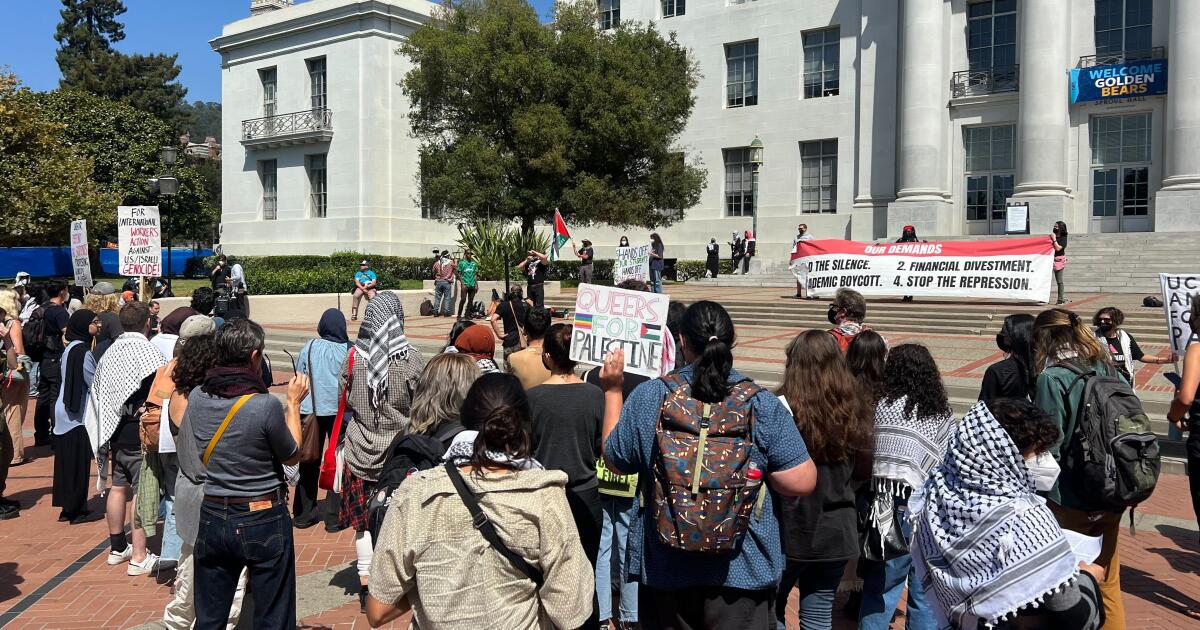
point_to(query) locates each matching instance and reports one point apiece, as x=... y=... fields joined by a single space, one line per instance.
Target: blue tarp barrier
x=45 y=262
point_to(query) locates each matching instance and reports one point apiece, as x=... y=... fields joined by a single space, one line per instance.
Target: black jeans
x=467 y=299
x=537 y=293
x=708 y=607
x=1193 y=460
x=587 y=513
x=232 y=537
x=49 y=383
x=304 y=504
x=6 y=456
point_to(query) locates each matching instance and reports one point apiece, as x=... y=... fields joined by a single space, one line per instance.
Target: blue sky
x=27 y=43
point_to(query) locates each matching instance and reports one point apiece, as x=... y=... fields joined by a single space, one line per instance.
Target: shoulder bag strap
x=517 y=320
x=312 y=377
x=224 y=425
x=485 y=527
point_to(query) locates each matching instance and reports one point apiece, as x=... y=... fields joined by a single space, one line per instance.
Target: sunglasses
x=289 y=354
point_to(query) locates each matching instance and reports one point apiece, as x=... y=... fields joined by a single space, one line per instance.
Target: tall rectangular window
x=316 y=83
x=674 y=8
x=267 y=77
x=739 y=183
x=318 y=190
x=1120 y=139
x=741 y=74
x=992 y=34
x=1123 y=25
x=610 y=14
x=267 y=173
x=821 y=62
x=818 y=176
x=989 y=168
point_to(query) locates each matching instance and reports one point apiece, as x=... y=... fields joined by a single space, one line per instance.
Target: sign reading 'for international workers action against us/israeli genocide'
x=139 y=238
x=1011 y=269
x=632 y=263
x=1178 y=291
x=607 y=318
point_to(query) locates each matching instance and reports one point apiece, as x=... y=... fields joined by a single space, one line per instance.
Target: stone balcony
x=305 y=127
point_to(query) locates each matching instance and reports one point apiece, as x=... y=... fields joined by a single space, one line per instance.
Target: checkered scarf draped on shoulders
x=380 y=341
x=984 y=544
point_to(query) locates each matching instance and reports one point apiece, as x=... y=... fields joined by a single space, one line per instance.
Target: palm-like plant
x=496 y=244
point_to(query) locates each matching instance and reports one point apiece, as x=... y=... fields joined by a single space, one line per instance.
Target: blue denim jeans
x=656 y=280
x=443 y=300
x=618 y=512
x=172 y=544
x=818 y=583
x=884 y=581
x=232 y=537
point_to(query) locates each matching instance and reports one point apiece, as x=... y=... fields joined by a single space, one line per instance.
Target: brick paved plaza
x=53 y=575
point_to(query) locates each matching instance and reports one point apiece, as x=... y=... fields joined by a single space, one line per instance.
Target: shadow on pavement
x=1140 y=584
x=9 y=579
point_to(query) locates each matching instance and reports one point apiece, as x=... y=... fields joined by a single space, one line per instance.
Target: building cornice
x=301 y=19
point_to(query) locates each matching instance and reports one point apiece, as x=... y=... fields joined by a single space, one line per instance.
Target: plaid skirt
x=356 y=499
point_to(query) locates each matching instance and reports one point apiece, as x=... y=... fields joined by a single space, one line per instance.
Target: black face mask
x=1105 y=328
x=1002 y=342
x=831 y=315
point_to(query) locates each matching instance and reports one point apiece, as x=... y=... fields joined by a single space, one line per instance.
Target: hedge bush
x=276 y=275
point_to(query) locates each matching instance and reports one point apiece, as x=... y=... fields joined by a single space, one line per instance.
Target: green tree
x=89 y=63
x=205 y=120
x=45 y=183
x=517 y=119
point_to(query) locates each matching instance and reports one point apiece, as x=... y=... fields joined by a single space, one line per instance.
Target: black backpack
x=1113 y=454
x=33 y=334
x=406 y=455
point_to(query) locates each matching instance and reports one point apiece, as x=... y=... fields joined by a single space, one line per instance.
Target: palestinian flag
x=561 y=235
x=651 y=332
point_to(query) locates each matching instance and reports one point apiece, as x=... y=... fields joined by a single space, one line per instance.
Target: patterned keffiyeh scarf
x=120 y=373
x=380 y=341
x=462 y=448
x=907 y=447
x=984 y=544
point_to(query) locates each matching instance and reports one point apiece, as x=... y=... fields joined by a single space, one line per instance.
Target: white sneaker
x=115 y=558
x=144 y=567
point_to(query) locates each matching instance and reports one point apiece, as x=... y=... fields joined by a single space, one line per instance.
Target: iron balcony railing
x=1124 y=56
x=984 y=81
x=284 y=124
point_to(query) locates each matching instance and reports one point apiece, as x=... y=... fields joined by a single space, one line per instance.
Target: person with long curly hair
x=1063 y=345
x=913 y=422
x=820 y=531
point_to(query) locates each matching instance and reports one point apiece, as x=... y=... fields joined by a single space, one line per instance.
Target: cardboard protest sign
x=632 y=263
x=1013 y=269
x=607 y=318
x=1178 y=291
x=139 y=240
x=79 y=254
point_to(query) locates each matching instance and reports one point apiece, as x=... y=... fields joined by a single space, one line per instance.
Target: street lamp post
x=168 y=186
x=756 y=161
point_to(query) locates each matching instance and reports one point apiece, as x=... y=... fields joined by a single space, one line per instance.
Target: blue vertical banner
x=1119 y=81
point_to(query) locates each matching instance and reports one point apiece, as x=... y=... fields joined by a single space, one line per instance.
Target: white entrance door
x=1121 y=199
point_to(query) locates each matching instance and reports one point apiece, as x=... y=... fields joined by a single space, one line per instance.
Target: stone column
x=1044 y=118
x=875 y=119
x=1177 y=204
x=921 y=200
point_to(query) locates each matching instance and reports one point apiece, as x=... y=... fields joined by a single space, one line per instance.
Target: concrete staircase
x=1097 y=263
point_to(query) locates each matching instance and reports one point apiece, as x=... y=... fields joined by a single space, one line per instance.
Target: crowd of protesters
x=513 y=489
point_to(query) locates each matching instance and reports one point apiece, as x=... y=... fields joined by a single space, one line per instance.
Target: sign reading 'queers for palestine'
x=139 y=240
x=608 y=318
x=1013 y=269
x=1119 y=81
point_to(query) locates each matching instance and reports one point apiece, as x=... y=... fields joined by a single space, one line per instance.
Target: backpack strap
x=488 y=530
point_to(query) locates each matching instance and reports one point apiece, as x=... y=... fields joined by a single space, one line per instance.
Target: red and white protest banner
x=1011 y=269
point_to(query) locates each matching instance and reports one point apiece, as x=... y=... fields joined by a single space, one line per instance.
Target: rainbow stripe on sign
x=583 y=321
x=651 y=332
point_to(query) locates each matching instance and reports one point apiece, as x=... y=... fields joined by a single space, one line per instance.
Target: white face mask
x=1044 y=470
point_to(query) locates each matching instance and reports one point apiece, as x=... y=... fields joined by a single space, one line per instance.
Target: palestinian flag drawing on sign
x=651 y=332
x=560 y=237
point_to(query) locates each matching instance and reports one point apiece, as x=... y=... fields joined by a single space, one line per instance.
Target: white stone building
x=873 y=114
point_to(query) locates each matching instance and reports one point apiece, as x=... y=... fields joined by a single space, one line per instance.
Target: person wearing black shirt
x=586 y=257
x=1059 y=239
x=534 y=267
x=1120 y=344
x=510 y=313
x=1013 y=377
x=49 y=370
x=220 y=273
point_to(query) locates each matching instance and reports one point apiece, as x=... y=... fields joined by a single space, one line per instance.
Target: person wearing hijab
x=478 y=342
x=712 y=264
x=987 y=548
x=321 y=359
x=168 y=331
x=386 y=371
x=72 y=455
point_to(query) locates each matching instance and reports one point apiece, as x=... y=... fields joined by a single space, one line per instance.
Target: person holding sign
x=801 y=235
x=657 y=250
x=534 y=267
x=1186 y=404
x=1059 y=238
x=586 y=258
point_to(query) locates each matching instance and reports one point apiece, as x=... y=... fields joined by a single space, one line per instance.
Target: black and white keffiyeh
x=120 y=373
x=907 y=447
x=462 y=448
x=381 y=340
x=984 y=544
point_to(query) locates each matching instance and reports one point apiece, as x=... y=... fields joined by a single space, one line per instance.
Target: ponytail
x=709 y=332
x=1058 y=330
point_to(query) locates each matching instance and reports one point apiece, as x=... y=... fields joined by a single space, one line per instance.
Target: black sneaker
x=7 y=501
x=9 y=511
x=362 y=600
